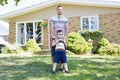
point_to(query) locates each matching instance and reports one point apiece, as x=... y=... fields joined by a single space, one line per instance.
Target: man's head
x=59 y=10
x=59 y=34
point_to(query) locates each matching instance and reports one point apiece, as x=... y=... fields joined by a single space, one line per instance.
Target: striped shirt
x=59 y=23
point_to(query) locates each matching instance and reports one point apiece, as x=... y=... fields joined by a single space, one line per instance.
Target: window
x=89 y=23
x=29 y=30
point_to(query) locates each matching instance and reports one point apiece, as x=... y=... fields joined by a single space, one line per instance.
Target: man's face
x=59 y=10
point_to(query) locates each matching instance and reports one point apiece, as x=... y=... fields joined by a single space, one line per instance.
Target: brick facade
x=110 y=23
x=12 y=32
x=74 y=24
x=45 y=38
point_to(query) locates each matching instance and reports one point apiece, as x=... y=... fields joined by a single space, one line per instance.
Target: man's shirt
x=59 y=23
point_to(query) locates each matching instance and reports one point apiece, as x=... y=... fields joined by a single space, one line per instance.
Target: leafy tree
x=3 y=2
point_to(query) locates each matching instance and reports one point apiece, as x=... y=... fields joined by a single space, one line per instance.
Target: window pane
x=29 y=30
x=38 y=32
x=20 y=33
x=94 y=23
x=85 y=23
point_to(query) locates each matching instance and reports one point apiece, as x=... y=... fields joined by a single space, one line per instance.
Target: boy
x=60 y=52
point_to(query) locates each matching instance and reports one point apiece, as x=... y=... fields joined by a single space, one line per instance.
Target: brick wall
x=110 y=23
x=45 y=38
x=74 y=24
x=12 y=32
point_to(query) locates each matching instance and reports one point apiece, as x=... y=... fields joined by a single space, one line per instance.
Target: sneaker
x=53 y=72
x=67 y=72
x=62 y=70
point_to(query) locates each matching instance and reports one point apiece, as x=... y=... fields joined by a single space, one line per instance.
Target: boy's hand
x=57 y=40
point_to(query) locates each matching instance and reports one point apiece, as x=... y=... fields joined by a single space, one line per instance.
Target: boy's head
x=59 y=34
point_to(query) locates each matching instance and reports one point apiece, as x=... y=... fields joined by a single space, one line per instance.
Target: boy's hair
x=59 y=31
x=59 y=6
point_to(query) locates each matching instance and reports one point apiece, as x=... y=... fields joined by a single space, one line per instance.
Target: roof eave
x=90 y=3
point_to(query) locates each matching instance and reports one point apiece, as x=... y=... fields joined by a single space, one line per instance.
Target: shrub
x=32 y=46
x=103 y=42
x=111 y=49
x=77 y=44
x=12 y=48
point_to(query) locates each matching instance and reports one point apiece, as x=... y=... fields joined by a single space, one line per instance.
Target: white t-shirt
x=60 y=45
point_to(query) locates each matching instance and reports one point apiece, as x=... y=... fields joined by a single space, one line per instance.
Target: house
x=82 y=14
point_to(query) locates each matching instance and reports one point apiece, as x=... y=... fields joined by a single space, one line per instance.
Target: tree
x=3 y=2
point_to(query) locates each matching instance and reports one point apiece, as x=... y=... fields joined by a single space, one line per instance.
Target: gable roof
x=49 y=3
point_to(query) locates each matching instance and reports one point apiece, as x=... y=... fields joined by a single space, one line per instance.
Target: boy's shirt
x=59 y=45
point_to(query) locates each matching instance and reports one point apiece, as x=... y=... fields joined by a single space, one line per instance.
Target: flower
x=44 y=23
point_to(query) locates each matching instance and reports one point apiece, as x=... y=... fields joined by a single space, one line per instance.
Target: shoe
x=67 y=72
x=62 y=70
x=53 y=72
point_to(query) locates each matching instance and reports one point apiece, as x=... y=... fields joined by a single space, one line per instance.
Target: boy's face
x=59 y=35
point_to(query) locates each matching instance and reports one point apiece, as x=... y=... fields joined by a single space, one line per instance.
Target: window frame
x=89 y=20
x=25 y=22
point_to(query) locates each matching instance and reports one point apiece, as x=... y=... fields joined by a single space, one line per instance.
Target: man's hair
x=59 y=6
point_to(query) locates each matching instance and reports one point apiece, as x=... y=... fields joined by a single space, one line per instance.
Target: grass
x=38 y=67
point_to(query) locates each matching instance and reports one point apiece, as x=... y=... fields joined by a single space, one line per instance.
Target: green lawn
x=38 y=67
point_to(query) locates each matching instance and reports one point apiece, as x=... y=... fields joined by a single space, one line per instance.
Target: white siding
x=68 y=11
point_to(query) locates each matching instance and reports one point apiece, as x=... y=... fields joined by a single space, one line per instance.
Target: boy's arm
x=55 y=42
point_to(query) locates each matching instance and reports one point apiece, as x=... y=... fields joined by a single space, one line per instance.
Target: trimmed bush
x=103 y=42
x=32 y=46
x=111 y=49
x=77 y=44
x=12 y=48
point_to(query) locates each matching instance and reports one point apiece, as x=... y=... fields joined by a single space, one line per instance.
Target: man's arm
x=66 y=32
x=52 y=33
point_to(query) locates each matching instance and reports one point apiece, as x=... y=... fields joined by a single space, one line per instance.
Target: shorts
x=60 y=55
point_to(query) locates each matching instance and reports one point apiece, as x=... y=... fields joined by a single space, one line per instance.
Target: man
x=58 y=22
